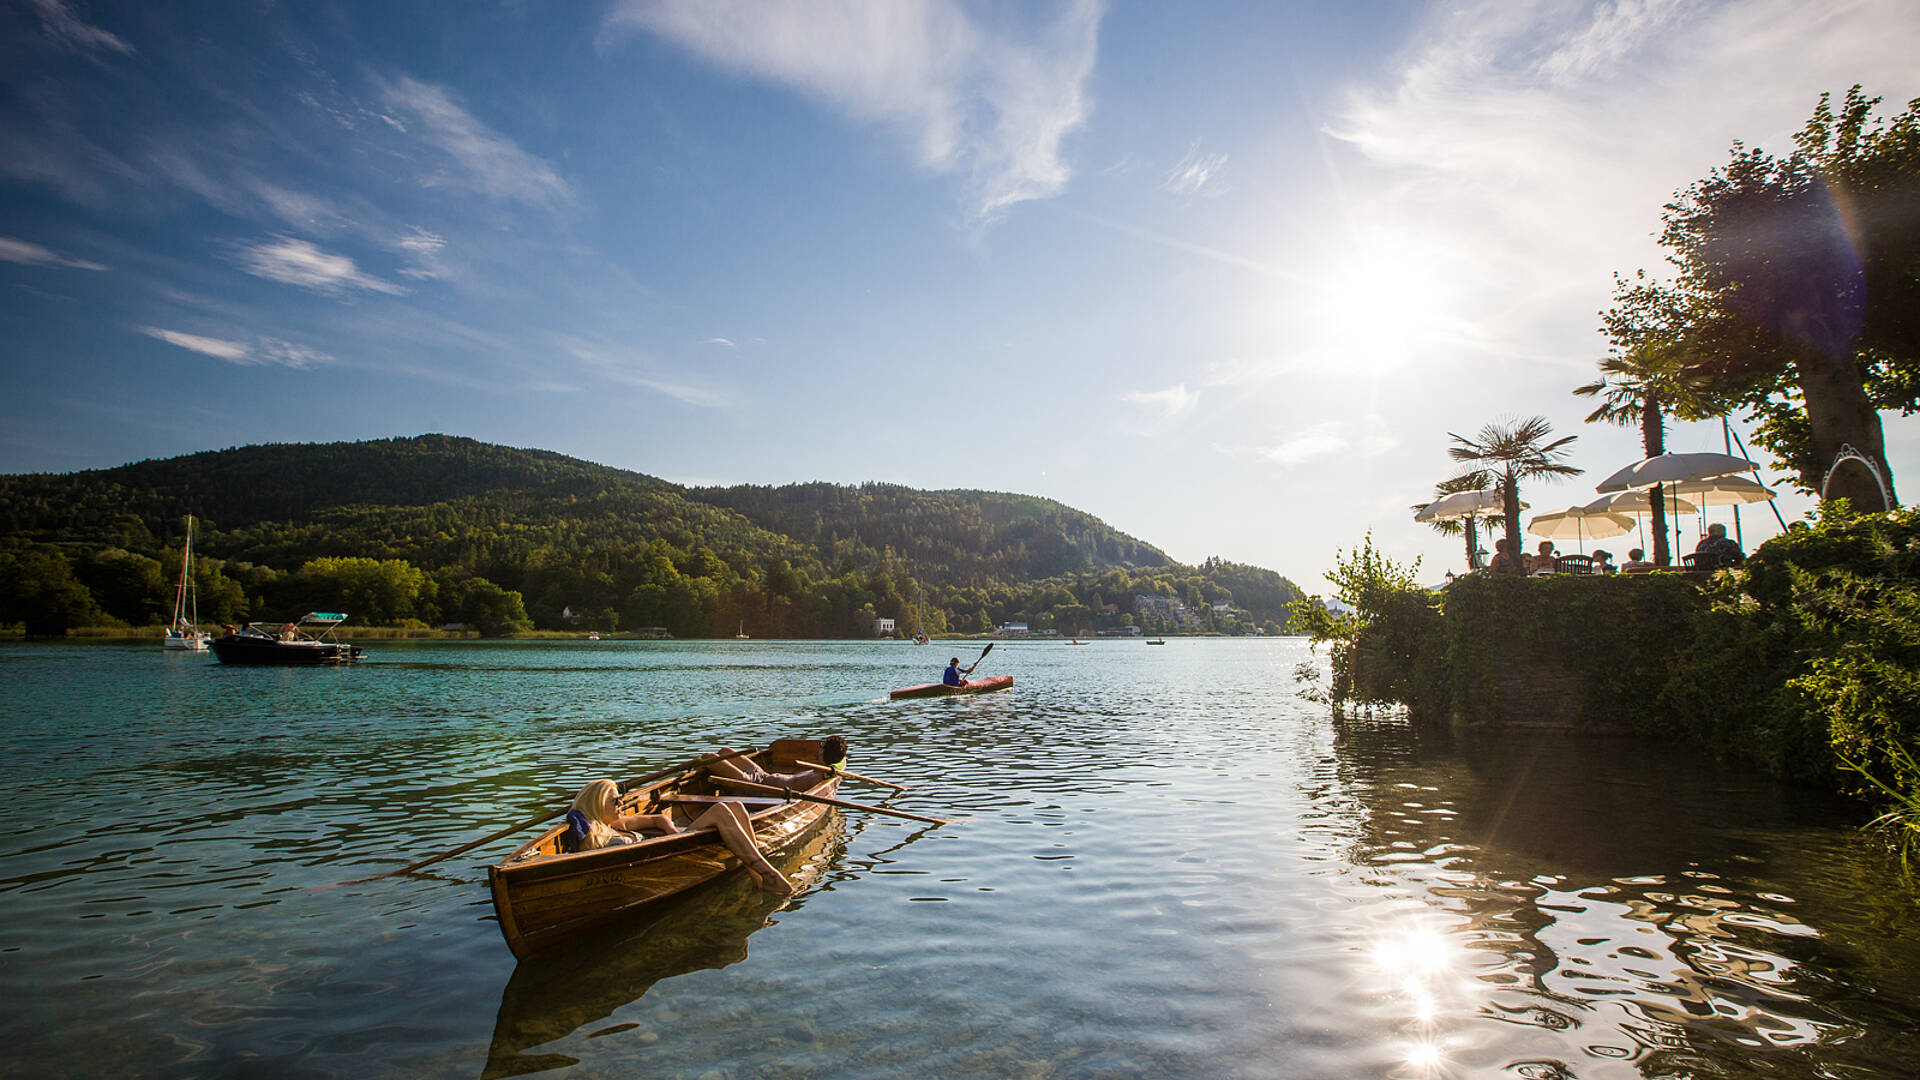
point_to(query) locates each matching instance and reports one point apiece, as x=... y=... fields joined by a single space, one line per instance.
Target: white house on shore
x=883 y=627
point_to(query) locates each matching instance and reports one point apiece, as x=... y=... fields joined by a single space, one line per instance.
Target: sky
x=1224 y=275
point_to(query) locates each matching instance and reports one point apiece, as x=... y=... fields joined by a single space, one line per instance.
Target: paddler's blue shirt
x=952 y=677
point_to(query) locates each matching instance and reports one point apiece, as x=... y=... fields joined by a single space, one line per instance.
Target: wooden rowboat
x=974 y=686
x=543 y=894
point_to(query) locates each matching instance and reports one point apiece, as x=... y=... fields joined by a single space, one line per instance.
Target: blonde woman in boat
x=598 y=803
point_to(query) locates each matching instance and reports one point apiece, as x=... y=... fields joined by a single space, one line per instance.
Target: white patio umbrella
x=1673 y=468
x=1461 y=504
x=1734 y=491
x=1723 y=491
x=1637 y=503
x=1576 y=523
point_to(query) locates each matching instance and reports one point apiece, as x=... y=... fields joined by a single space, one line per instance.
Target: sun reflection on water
x=1426 y=974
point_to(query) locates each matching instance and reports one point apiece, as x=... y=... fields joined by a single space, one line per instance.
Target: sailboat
x=741 y=635
x=185 y=633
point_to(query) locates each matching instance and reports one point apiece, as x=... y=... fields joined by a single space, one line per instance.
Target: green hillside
x=435 y=529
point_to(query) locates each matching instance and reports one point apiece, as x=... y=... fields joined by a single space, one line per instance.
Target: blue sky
x=1225 y=275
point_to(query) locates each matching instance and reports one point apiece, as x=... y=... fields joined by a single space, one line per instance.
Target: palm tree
x=1637 y=387
x=1502 y=456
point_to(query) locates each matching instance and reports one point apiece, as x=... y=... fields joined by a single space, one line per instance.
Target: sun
x=1379 y=308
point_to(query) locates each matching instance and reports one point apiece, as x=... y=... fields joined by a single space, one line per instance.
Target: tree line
x=506 y=540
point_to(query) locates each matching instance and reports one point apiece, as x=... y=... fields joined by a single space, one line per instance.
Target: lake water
x=1172 y=867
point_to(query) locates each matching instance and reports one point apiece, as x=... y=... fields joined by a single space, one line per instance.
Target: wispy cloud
x=61 y=24
x=422 y=251
x=983 y=100
x=723 y=342
x=30 y=254
x=1325 y=439
x=1213 y=254
x=296 y=262
x=1166 y=405
x=629 y=368
x=1195 y=173
x=477 y=157
x=257 y=352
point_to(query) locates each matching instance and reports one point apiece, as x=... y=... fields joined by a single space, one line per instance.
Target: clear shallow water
x=1173 y=868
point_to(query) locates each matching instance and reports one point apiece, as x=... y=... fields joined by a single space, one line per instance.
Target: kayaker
x=596 y=813
x=954 y=676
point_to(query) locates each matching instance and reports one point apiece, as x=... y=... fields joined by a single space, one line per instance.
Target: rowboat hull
x=974 y=686
x=543 y=895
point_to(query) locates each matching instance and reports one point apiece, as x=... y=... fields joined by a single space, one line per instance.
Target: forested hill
x=955 y=532
x=445 y=529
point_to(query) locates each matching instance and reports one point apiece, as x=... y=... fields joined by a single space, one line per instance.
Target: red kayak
x=974 y=686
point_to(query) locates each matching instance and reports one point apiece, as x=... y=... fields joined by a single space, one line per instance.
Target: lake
x=1172 y=867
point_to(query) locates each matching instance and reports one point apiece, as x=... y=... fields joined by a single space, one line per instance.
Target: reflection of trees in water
x=557 y=992
x=1645 y=906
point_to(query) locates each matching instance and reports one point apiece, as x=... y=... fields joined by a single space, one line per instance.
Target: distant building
x=1012 y=629
x=883 y=627
x=1171 y=609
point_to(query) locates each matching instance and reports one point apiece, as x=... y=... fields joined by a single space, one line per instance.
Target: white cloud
x=1195 y=173
x=297 y=262
x=1169 y=404
x=971 y=98
x=482 y=158
x=60 y=23
x=422 y=250
x=721 y=342
x=219 y=349
x=30 y=254
x=259 y=352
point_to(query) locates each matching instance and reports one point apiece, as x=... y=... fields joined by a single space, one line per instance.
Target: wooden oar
x=849 y=775
x=689 y=766
x=827 y=800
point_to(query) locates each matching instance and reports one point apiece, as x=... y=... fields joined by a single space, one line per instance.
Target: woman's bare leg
x=736 y=831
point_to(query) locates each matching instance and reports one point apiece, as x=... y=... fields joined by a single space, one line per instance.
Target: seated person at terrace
x=1602 y=561
x=1543 y=563
x=1636 y=562
x=1716 y=543
x=1502 y=561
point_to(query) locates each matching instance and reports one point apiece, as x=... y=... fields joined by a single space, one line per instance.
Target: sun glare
x=1382 y=309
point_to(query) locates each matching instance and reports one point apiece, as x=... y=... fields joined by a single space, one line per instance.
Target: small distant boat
x=1077 y=641
x=921 y=638
x=593 y=635
x=288 y=644
x=1161 y=641
x=185 y=632
x=741 y=635
x=974 y=686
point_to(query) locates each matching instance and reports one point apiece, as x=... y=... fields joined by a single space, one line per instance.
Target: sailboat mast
x=186 y=575
x=180 y=593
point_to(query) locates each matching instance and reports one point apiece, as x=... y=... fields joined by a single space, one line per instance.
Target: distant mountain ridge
x=571 y=535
